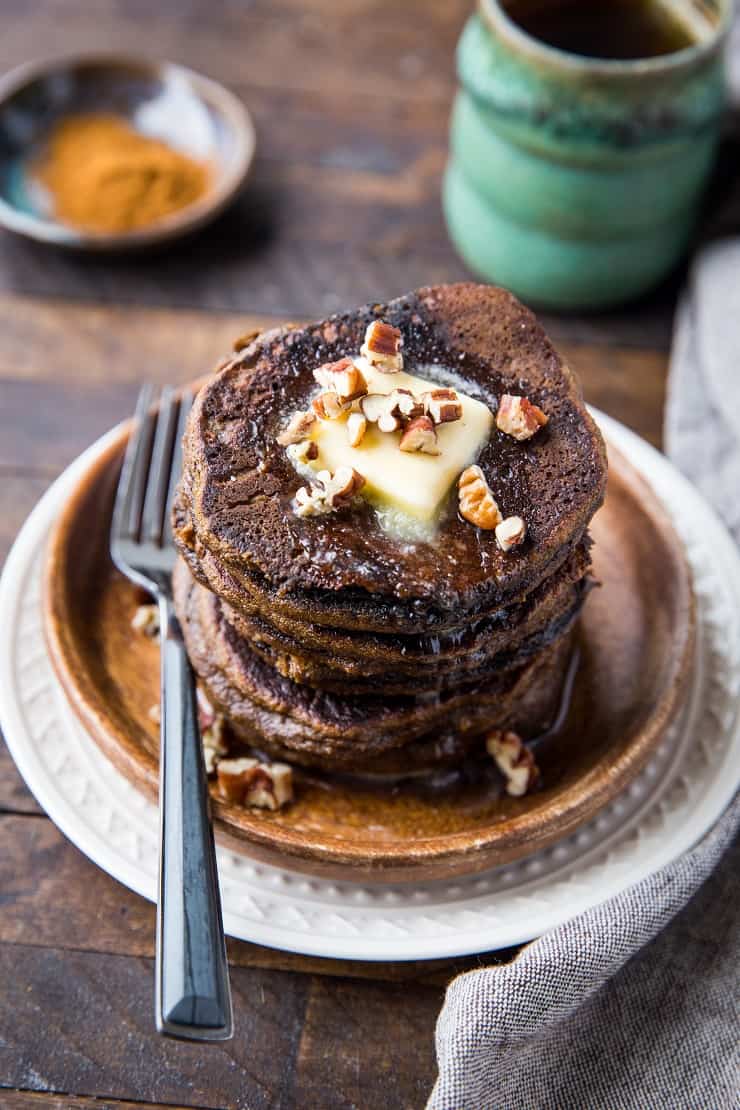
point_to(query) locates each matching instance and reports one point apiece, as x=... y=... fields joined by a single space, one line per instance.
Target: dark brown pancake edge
x=378 y=652
x=348 y=612
x=327 y=671
x=269 y=712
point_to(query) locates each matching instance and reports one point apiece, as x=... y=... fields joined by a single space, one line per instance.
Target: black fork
x=193 y=998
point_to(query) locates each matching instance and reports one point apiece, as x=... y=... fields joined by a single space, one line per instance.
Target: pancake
x=306 y=671
x=334 y=643
x=376 y=653
x=271 y=713
x=240 y=482
x=355 y=612
x=335 y=673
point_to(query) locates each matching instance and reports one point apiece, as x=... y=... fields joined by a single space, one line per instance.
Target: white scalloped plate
x=679 y=795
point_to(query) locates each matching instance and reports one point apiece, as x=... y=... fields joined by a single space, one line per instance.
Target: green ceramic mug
x=575 y=181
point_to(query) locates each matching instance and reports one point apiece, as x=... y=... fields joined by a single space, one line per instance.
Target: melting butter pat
x=413 y=483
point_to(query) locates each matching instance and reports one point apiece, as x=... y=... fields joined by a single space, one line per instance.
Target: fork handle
x=193 y=997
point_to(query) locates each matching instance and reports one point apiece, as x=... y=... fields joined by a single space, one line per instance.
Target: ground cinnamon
x=104 y=176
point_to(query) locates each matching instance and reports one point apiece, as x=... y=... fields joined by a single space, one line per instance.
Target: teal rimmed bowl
x=188 y=111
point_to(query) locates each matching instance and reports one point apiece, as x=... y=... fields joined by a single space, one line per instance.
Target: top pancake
x=240 y=482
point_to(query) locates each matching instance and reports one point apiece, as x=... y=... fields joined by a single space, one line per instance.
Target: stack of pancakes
x=329 y=642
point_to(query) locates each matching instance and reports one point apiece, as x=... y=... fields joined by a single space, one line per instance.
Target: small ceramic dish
x=189 y=112
x=636 y=642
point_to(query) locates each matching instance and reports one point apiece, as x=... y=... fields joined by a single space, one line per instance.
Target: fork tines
x=151 y=467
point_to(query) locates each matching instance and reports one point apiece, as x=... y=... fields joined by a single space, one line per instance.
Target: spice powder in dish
x=106 y=177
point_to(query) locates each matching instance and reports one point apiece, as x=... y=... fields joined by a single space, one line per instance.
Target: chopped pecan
x=298 y=427
x=420 y=435
x=329 y=492
x=404 y=405
x=146 y=620
x=442 y=405
x=328 y=406
x=248 y=782
x=303 y=452
x=378 y=408
x=382 y=347
x=310 y=501
x=510 y=532
x=213 y=746
x=475 y=500
x=391 y=411
x=341 y=486
x=514 y=760
x=356 y=428
x=212 y=727
x=343 y=378
x=518 y=417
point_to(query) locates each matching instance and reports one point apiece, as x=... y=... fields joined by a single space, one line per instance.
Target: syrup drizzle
x=474 y=770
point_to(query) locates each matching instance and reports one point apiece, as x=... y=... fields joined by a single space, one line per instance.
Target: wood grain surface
x=351 y=103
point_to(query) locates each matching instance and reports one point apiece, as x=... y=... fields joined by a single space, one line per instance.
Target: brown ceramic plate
x=635 y=644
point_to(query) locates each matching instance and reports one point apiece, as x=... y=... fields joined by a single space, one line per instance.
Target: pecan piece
x=475 y=500
x=518 y=417
x=298 y=427
x=343 y=378
x=377 y=408
x=328 y=406
x=442 y=405
x=146 y=620
x=420 y=435
x=341 y=486
x=356 y=428
x=248 y=782
x=514 y=760
x=382 y=347
x=404 y=405
x=212 y=727
x=510 y=532
x=390 y=411
x=213 y=746
x=310 y=501
x=303 y=452
x=329 y=492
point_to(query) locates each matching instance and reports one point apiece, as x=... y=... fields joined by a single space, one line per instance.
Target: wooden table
x=351 y=103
